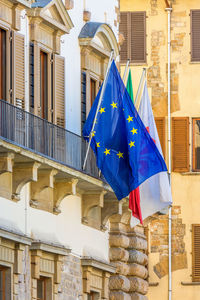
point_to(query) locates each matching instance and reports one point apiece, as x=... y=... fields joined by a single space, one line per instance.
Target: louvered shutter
x=195 y=35
x=18 y=70
x=83 y=98
x=59 y=89
x=138 y=37
x=196 y=252
x=160 y=124
x=123 y=28
x=180 y=144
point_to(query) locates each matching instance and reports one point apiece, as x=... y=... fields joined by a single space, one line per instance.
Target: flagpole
x=99 y=103
x=126 y=71
x=140 y=85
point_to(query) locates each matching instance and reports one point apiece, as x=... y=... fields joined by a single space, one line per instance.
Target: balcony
x=46 y=139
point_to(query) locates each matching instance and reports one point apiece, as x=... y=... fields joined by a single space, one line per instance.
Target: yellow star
x=102 y=110
x=120 y=155
x=107 y=151
x=93 y=133
x=98 y=145
x=132 y=144
x=130 y=119
x=134 y=131
x=114 y=105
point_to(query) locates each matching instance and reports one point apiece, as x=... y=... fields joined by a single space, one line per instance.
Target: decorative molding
x=62 y=189
x=111 y=207
x=15 y=237
x=98 y=264
x=50 y=248
x=96 y=276
x=49 y=23
x=42 y=190
x=6 y=162
x=46 y=265
x=22 y=174
x=92 y=204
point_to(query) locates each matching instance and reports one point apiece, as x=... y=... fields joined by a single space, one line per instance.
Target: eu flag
x=125 y=152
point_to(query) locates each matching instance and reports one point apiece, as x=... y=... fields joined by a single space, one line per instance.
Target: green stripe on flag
x=129 y=86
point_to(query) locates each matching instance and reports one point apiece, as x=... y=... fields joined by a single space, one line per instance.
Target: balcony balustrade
x=30 y=132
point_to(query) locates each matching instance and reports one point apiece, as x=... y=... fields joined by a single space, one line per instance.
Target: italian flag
x=134 y=196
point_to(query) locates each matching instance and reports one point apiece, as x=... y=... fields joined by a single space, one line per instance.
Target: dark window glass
x=44 y=85
x=92 y=90
x=2 y=64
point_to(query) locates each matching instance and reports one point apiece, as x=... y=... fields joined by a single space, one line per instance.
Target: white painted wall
x=65 y=228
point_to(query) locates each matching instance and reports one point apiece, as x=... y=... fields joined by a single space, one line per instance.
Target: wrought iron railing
x=42 y=137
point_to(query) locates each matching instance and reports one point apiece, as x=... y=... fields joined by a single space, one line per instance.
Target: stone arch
x=92 y=31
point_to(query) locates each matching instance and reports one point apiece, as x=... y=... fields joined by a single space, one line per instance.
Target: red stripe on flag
x=134 y=204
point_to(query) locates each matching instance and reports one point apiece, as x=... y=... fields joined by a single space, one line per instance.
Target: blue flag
x=125 y=152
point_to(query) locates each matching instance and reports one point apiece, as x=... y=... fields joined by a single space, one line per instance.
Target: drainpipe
x=169 y=10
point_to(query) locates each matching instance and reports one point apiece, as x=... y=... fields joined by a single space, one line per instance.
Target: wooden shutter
x=138 y=37
x=195 y=35
x=123 y=28
x=196 y=252
x=59 y=89
x=18 y=70
x=83 y=98
x=180 y=144
x=160 y=124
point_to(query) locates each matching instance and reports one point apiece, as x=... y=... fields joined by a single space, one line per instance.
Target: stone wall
x=71 y=280
x=127 y=253
x=159 y=242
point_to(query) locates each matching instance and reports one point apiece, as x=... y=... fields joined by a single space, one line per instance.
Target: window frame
x=3 y=269
x=194 y=278
x=194 y=169
x=44 y=83
x=191 y=37
x=129 y=34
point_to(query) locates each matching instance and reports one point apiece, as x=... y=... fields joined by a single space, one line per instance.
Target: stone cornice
x=39 y=15
x=98 y=264
x=51 y=248
x=16 y=237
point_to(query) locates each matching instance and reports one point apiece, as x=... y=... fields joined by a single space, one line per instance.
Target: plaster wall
x=65 y=228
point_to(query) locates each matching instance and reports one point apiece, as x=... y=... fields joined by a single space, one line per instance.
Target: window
x=195 y=35
x=43 y=85
x=196 y=252
x=196 y=144
x=92 y=90
x=2 y=64
x=133 y=28
x=160 y=124
x=42 y=284
x=2 y=284
x=93 y=296
x=180 y=144
x=47 y=85
x=5 y=283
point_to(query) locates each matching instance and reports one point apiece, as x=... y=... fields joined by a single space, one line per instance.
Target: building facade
x=63 y=234
x=145 y=28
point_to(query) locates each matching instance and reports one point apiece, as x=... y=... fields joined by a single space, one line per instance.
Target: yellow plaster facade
x=185 y=102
